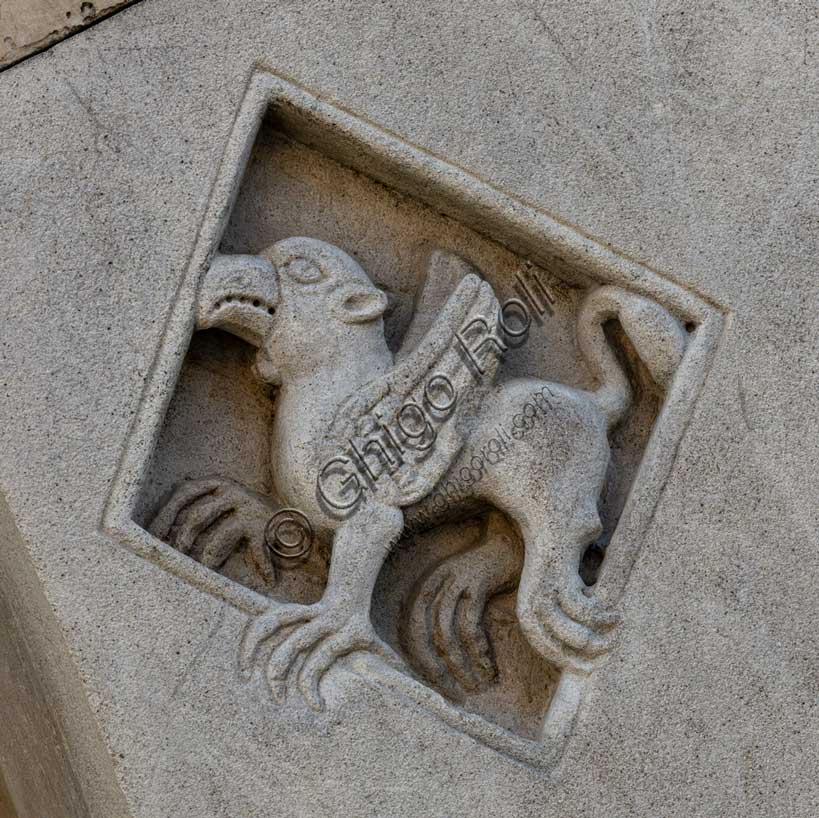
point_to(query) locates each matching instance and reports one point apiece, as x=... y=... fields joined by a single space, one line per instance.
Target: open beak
x=239 y=294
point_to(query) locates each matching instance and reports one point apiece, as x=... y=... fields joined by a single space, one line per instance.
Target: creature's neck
x=305 y=408
x=342 y=376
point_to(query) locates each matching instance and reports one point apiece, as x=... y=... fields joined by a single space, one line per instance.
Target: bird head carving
x=300 y=298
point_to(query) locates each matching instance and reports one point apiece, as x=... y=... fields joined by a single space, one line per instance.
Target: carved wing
x=404 y=428
x=444 y=273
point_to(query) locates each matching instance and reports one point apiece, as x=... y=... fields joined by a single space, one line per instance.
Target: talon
x=310 y=691
x=314 y=668
x=194 y=519
x=550 y=648
x=208 y=519
x=219 y=542
x=588 y=610
x=185 y=494
x=473 y=637
x=327 y=636
x=264 y=627
x=444 y=618
x=285 y=655
x=278 y=690
x=454 y=643
x=571 y=633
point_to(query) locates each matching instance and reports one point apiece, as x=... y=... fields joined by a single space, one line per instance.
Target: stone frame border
x=484 y=207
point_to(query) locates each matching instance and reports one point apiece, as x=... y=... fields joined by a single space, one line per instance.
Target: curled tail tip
x=658 y=337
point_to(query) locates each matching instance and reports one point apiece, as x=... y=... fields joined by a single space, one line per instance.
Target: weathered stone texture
x=29 y=26
x=655 y=165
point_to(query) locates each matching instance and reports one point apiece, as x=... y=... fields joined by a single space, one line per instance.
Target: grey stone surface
x=666 y=150
x=29 y=26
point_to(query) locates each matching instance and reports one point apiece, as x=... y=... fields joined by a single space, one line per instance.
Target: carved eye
x=303 y=270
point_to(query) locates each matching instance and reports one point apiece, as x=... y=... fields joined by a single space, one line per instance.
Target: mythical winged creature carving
x=316 y=319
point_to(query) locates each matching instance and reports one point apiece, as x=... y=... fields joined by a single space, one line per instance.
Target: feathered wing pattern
x=444 y=273
x=407 y=426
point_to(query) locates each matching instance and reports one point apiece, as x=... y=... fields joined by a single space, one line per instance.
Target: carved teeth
x=256 y=303
x=239 y=294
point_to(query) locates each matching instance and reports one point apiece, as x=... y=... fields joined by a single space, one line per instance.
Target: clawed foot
x=445 y=632
x=208 y=519
x=452 y=636
x=569 y=626
x=321 y=633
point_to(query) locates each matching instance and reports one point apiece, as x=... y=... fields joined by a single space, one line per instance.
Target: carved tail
x=435 y=641
x=657 y=337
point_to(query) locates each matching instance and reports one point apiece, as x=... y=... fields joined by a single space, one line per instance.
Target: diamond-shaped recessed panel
x=296 y=165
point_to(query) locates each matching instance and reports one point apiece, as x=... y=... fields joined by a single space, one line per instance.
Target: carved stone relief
x=413 y=427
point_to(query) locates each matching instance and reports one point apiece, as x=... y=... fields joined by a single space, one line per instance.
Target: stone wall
x=411 y=409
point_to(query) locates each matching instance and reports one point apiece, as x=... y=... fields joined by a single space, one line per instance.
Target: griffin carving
x=362 y=437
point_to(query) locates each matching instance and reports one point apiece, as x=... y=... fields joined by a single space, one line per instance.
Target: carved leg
x=340 y=623
x=561 y=618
